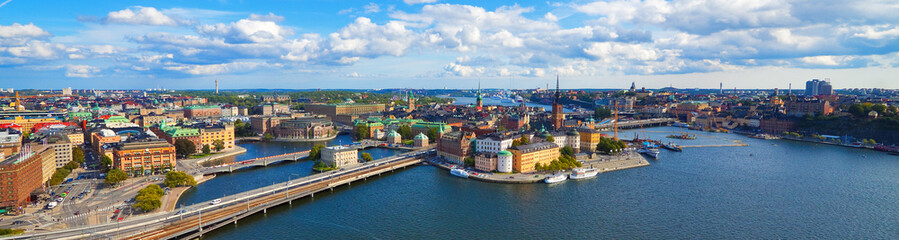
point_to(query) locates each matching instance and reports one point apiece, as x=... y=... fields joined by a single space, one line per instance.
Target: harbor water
x=768 y=189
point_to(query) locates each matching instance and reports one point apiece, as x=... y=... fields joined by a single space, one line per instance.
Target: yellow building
x=209 y=135
x=525 y=157
x=589 y=139
x=28 y=123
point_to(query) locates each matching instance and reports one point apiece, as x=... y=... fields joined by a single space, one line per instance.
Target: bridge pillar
x=229 y=169
x=265 y=162
x=265 y=210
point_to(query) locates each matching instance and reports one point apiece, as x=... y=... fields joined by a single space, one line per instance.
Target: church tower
x=480 y=102
x=557 y=116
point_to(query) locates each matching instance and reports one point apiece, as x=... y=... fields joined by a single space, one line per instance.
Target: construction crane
x=18 y=103
x=616 y=120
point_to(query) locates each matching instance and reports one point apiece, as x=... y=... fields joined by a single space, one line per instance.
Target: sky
x=335 y=44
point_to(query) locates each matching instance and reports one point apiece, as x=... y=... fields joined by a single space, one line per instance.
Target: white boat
x=556 y=178
x=458 y=172
x=583 y=173
x=651 y=152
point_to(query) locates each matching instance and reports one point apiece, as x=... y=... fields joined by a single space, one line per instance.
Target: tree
x=268 y=137
x=219 y=145
x=72 y=165
x=880 y=109
x=315 y=153
x=501 y=128
x=106 y=162
x=601 y=113
x=468 y=162
x=608 y=145
x=405 y=131
x=524 y=140
x=59 y=176
x=149 y=198
x=184 y=147
x=366 y=157
x=567 y=151
x=550 y=138
x=178 y=179
x=362 y=131
x=77 y=155
x=432 y=134
x=115 y=176
x=206 y=149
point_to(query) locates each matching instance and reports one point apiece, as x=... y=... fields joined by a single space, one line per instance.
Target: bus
x=52 y=205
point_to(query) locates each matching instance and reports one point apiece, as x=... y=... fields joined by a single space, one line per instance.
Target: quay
x=603 y=163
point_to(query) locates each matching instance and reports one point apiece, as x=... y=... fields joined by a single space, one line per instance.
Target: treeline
x=565 y=161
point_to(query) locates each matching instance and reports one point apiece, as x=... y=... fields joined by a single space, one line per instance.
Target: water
x=787 y=190
x=248 y=179
x=490 y=101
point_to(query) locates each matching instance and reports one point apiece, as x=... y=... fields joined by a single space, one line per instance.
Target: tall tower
x=557 y=116
x=721 y=88
x=480 y=101
x=411 y=101
x=216 y=86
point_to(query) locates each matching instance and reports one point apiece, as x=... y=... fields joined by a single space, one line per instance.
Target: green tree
x=149 y=198
x=880 y=109
x=268 y=137
x=567 y=151
x=366 y=157
x=105 y=162
x=524 y=140
x=77 y=155
x=550 y=138
x=178 y=179
x=59 y=176
x=501 y=128
x=72 y=165
x=206 y=149
x=219 y=145
x=469 y=162
x=405 y=131
x=362 y=131
x=432 y=134
x=601 y=113
x=316 y=152
x=115 y=176
x=184 y=147
x=608 y=145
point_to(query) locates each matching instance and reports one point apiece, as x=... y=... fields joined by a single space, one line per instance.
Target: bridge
x=192 y=221
x=636 y=124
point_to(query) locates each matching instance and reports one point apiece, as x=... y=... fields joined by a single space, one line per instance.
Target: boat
x=556 y=178
x=672 y=147
x=765 y=136
x=458 y=172
x=683 y=136
x=650 y=152
x=583 y=173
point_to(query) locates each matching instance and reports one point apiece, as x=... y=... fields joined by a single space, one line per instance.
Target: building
x=275 y=98
x=267 y=109
x=495 y=142
x=777 y=125
x=339 y=156
x=802 y=107
x=27 y=123
x=394 y=137
x=209 y=134
x=557 y=115
x=202 y=111
x=589 y=139
x=525 y=157
x=22 y=174
x=61 y=146
x=142 y=156
x=455 y=146
x=173 y=133
x=479 y=103
x=504 y=160
x=817 y=87
x=420 y=140
x=265 y=124
x=485 y=162
x=333 y=110
x=304 y=128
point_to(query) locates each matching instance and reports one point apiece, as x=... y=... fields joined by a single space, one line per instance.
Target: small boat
x=583 y=173
x=458 y=172
x=556 y=178
x=650 y=152
x=683 y=136
x=765 y=136
x=672 y=147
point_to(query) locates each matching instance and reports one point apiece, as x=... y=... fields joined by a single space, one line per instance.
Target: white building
x=504 y=162
x=339 y=156
x=494 y=143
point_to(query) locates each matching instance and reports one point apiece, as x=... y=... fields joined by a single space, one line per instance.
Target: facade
x=557 y=115
x=800 y=108
x=200 y=111
x=263 y=125
x=144 y=154
x=394 y=137
x=455 y=146
x=504 y=160
x=62 y=148
x=817 y=87
x=777 y=125
x=495 y=142
x=339 y=156
x=210 y=134
x=22 y=174
x=420 y=141
x=28 y=123
x=485 y=162
x=525 y=157
x=332 y=110
x=47 y=155
x=304 y=128
x=268 y=109
x=174 y=133
x=589 y=139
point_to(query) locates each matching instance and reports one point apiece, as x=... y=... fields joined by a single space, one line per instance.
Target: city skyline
x=454 y=44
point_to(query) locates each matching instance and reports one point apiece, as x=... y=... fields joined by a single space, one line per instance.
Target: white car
x=214 y=202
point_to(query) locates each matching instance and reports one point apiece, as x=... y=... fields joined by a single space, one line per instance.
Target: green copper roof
x=421 y=136
x=393 y=134
x=504 y=153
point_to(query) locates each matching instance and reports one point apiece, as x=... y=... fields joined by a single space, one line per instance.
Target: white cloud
x=17 y=30
x=270 y=17
x=413 y=2
x=140 y=16
x=81 y=71
x=247 y=31
x=550 y=17
x=878 y=32
x=826 y=60
x=372 y=8
x=212 y=69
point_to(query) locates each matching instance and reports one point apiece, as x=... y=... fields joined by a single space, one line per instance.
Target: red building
x=22 y=174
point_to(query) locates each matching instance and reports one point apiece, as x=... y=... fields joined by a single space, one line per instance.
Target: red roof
x=11 y=125
x=48 y=124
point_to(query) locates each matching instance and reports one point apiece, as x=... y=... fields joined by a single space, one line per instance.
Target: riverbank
x=305 y=140
x=603 y=164
x=170 y=200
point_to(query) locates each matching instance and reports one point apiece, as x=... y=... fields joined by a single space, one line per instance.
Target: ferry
x=458 y=172
x=583 y=173
x=650 y=152
x=672 y=147
x=556 y=178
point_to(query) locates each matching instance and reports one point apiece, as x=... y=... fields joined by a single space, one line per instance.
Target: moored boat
x=583 y=173
x=458 y=172
x=650 y=152
x=672 y=147
x=556 y=178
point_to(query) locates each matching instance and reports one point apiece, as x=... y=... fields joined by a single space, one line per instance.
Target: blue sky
x=453 y=44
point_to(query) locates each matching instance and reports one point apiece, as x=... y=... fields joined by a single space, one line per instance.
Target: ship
x=672 y=147
x=650 y=152
x=458 y=172
x=556 y=178
x=583 y=173
x=682 y=136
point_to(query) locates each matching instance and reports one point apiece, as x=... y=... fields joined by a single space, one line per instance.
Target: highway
x=188 y=219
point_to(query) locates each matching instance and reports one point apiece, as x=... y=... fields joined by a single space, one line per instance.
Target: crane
x=18 y=103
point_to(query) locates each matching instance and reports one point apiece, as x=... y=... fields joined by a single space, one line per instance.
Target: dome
x=421 y=136
x=545 y=135
x=504 y=153
x=393 y=134
x=572 y=133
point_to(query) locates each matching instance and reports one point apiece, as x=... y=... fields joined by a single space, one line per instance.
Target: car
x=78 y=212
x=117 y=211
x=17 y=222
x=214 y=202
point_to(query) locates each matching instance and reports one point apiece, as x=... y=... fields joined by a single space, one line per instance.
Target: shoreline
x=305 y=140
x=624 y=161
x=236 y=151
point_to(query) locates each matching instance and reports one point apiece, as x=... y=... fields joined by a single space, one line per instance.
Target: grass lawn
x=201 y=155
